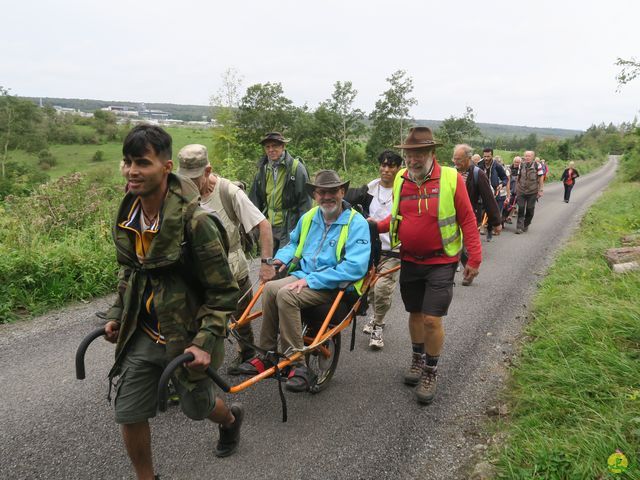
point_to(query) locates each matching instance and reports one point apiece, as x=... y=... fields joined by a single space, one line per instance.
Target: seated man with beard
x=329 y=248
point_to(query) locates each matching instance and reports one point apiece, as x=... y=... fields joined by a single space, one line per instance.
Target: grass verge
x=575 y=388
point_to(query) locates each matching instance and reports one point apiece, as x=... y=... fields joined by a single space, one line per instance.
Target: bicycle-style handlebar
x=82 y=349
x=168 y=372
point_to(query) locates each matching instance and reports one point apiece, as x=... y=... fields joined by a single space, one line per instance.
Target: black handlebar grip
x=82 y=349
x=168 y=372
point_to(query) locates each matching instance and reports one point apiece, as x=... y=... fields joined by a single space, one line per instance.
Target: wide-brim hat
x=419 y=137
x=274 y=137
x=326 y=179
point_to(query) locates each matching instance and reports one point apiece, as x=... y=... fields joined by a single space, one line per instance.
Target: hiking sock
x=431 y=361
x=418 y=348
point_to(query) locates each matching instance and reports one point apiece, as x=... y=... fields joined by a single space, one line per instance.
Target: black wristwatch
x=268 y=261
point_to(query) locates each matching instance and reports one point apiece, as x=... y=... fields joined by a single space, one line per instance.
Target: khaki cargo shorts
x=136 y=390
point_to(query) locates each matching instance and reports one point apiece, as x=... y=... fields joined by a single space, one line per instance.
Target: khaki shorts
x=136 y=394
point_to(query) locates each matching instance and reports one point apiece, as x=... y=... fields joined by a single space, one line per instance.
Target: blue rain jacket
x=318 y=264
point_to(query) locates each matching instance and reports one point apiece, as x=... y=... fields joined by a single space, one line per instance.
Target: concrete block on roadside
x=622 y=255
x=626 y=267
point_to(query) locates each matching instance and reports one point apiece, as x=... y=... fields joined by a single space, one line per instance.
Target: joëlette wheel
x=323 y=362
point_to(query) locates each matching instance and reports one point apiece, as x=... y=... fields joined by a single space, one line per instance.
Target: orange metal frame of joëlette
x=311 y=344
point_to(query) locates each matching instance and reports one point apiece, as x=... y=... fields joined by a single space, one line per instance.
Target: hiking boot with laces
x=413 y=374
x=368 y=327
x=376 y=341
x=427 y=387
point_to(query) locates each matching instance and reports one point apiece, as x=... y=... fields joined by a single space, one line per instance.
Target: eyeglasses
x=321 y=192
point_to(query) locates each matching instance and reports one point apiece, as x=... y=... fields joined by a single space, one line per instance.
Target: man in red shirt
x=431 y=213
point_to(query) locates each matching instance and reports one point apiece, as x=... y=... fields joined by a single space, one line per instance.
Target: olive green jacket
x=194 y=290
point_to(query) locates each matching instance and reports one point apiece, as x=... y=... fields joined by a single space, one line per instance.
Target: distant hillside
x=178 y=112
x=494 y=130
x=197 y=112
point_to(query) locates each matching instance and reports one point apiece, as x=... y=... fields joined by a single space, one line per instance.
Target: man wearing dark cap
x=278 y=189
x=430 y=213
x=329 y=247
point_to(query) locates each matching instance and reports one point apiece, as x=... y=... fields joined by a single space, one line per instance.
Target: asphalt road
x=365 y=425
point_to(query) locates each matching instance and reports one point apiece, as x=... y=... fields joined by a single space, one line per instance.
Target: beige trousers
x=382 y=292
x=281 y=311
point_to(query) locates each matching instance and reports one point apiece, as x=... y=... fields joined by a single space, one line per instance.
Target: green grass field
x=575 y=388
x=78 y=158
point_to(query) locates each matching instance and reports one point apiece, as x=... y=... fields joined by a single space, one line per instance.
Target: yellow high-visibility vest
x=342 y=240
x=450 y=231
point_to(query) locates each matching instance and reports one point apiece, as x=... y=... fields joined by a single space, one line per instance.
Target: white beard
x=329 y=211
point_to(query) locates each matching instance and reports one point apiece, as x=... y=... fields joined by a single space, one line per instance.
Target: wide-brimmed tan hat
x=274 y=137
x=326 y=179
x=419 y=137
x=192 y=160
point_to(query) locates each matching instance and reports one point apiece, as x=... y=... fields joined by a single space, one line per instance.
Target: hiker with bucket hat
x=278 y=189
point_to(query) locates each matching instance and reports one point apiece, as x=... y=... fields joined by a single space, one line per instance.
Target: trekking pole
x=82 y=349
x=168 y=372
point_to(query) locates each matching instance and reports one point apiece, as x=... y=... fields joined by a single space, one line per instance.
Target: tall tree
x=263 y=108
x=21 y=126
x=225 y=105
x=454 y=130
x=390 y=113
x=7 y=115
x=340 y=119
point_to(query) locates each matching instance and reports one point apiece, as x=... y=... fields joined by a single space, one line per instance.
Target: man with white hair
x=529 y=188
x=234 y=208
x=479 y=191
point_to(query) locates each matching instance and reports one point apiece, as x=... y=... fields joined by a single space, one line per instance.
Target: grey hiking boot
x=413 y=374
x=427 y=388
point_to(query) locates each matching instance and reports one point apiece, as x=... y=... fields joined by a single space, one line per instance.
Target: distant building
x=154 y=114
x=122 y=110
x=70 y=111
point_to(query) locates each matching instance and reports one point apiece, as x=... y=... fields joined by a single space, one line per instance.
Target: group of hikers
x=180 y=241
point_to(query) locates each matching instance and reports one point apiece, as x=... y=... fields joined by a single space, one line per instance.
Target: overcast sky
x=542 y=63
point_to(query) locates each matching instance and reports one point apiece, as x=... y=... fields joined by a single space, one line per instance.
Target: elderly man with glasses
x=329 y=247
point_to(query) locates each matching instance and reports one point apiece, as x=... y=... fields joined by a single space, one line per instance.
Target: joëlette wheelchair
x=322 y=326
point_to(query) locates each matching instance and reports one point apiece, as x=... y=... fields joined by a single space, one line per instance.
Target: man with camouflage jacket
x=174 y=296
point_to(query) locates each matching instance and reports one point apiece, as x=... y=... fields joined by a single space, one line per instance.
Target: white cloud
x=544 y=63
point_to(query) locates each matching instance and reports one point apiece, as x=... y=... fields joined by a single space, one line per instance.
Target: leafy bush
x=98 y=156
x=631 y=165
x=20 y=179
x=65 y=253
x=89 y=138
x=46 y=159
